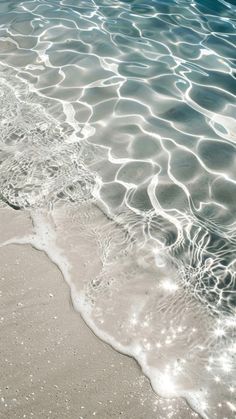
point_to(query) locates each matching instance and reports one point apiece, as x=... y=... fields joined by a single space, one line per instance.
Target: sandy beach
x=52 y=365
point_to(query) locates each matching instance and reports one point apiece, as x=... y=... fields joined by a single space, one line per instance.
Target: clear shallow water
x=132 y=105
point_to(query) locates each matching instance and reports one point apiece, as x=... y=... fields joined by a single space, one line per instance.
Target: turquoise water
x=132 y=104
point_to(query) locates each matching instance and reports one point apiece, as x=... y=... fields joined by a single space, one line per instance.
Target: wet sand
x=52 y=365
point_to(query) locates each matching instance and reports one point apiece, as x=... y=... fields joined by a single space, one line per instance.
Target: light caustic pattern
x=133 y=104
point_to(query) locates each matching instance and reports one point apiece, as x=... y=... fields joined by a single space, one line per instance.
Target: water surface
x=131 y=105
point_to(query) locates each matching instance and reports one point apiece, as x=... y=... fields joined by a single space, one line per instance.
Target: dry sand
x=52 y=365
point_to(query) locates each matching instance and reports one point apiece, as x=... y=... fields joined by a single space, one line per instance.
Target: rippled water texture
x=132 y=106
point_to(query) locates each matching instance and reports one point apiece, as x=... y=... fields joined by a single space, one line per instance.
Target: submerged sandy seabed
x=52 y=365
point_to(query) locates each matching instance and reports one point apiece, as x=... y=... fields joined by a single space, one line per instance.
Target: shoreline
x=53 y=366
